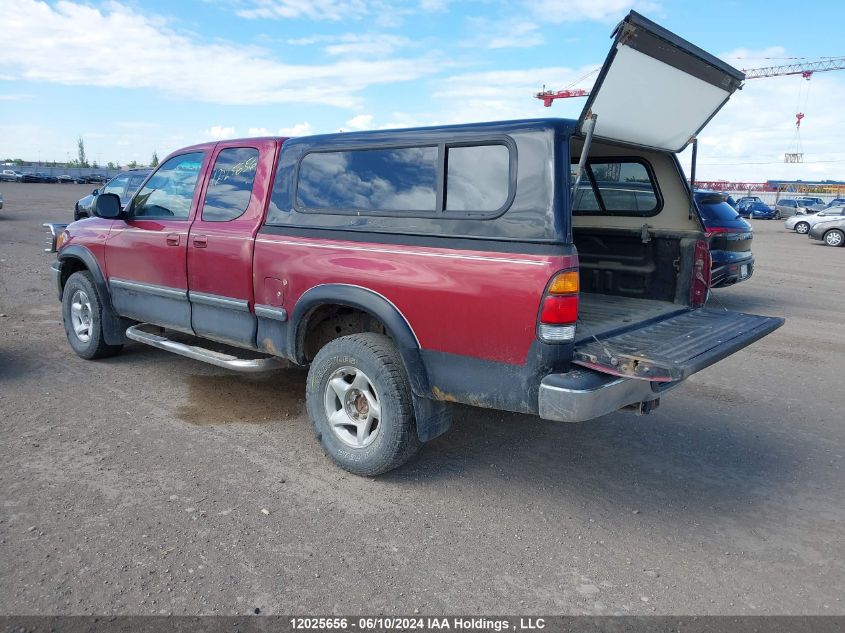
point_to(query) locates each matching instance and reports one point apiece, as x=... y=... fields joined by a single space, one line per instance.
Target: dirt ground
x=136 y=485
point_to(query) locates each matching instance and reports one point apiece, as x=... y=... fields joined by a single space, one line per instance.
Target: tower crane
x=806 y=69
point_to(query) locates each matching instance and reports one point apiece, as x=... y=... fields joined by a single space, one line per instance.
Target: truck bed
x=604 y=314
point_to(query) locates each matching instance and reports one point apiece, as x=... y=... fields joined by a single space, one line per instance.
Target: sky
x=133 y=77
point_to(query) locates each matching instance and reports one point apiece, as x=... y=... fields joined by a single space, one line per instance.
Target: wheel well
x=69 y=266
x=328 y=322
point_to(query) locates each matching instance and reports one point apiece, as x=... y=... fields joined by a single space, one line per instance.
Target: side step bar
x=138 y=333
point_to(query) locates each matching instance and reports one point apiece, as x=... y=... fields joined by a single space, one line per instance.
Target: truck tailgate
x=676 y=347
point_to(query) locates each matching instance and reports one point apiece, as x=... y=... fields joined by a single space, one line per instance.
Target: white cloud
x=360 y=122
x=15 y=97
x=560 y=11
x=312 y=9
x=509 y=33
x=219 y=133
x=66 y=43
x=259 y=131
x=299 y=129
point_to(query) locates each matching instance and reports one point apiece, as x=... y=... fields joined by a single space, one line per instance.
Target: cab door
x=222 y=240
x=146 y=253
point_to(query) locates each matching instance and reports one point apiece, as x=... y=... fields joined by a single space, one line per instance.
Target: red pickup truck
x=550 y=267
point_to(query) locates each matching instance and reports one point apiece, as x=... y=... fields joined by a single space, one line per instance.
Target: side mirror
x=95 y=192
x=107 y=206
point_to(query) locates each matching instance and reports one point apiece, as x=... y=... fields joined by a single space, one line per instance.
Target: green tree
x=110 y=165
x=83 y=161
x=133 y=165
x=154 y=159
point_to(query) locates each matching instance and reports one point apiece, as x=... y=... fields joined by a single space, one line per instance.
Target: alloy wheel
x=352 y=407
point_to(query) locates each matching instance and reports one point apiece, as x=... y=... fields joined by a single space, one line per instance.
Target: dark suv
x=730 y=239
x=124 y=185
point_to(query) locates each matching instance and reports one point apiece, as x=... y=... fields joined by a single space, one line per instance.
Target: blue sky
x=133 y=77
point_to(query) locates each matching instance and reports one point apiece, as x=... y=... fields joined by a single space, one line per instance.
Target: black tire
x=834 y=237
x=395 y=438
x=802 y=227
x=80 y=287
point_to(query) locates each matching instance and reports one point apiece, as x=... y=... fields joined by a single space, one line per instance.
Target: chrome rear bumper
x=583 y=394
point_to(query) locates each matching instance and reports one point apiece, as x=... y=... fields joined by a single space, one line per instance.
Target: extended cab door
x=655 y=89
x=222 y=240
x=146 y=253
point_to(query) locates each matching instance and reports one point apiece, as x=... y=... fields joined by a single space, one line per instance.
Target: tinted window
x=135 y=181
x=477 y=178
x=623 y=187
x=117 y=185
x=401 y=179
x=230 y=187
x=168 y=193
x=714 y=209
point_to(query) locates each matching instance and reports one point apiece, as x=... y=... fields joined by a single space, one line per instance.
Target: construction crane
x=805 y=69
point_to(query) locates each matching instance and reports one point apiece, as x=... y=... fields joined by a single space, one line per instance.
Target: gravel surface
x=150 y=483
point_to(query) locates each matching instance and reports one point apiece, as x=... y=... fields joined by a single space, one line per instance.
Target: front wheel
x=802 y=228
x=359 y=401
x=82 y=313
x=834 y=237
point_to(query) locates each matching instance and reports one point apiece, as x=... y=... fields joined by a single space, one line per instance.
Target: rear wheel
x=82 y=313
x=359 y=401
x=834 y=237
x=802 y=228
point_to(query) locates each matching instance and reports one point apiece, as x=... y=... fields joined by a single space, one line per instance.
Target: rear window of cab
x=462 y=179
x=616 y=186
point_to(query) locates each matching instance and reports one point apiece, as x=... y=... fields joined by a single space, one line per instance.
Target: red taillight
x=700 y=274
x=559 y=309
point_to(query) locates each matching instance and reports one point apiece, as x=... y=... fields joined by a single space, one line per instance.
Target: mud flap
x=676 y=347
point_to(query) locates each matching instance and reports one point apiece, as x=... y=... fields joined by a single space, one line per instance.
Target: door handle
x=200 y=241
x=173 y=239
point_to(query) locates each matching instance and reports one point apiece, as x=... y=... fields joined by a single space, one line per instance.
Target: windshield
x=715 y=209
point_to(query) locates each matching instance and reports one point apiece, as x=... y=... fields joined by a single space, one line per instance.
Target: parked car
x=124 y=185
x=30 y=177
x=413 y=269
x=10 y=175
x=65 y=179
x=730 y=239
x=803 y=223
x=45 y=177
x=748 y=199
x=755 y=209
x=811 y=203
x=831 y=232
x=95 y=178
x=787 y=207
x=1 y=200
x=836 y=202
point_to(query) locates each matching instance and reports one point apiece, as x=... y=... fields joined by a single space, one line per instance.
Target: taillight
x=559 y=309
x=700 y=274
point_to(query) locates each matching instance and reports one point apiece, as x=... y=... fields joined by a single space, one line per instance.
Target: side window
x=168 y=193
x=477 y=177
x=398 y=179
x=618 y=187
x=117 y=185
x=230 y=188
x=134 y=182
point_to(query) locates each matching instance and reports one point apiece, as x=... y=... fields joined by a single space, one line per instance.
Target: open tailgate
x=676 y=347
x=655 y=89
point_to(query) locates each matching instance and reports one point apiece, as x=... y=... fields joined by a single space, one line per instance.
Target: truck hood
x=655 y=89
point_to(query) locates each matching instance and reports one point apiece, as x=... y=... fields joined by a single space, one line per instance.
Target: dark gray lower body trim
x=216 y=301
x=271 y=312
x=152 y=289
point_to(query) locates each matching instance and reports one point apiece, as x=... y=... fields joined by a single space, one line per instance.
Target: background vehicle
x=787 y=207
x=729 y=199
x=65 y=179
x=729 y=237
x=831 y=233
x=124 y=185
x=803 y=223
x=811 y=203
x=748 y=199
x=755 y=209
x=836 y=202
x=45 y=177
x=9 y=175
x=30 y=177
x=1 y=200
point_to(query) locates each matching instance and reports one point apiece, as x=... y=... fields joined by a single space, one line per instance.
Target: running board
x=138 y=333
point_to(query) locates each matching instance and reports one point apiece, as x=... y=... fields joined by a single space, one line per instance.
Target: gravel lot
x=136 y=485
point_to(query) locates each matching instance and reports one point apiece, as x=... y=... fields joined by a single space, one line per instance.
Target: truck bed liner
x=606 y=314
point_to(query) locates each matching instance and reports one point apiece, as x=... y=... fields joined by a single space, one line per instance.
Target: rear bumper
x=583 y=394
x=728 y=271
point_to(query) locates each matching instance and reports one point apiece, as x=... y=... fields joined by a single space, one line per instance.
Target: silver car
x=787 y=207
x=803 y=223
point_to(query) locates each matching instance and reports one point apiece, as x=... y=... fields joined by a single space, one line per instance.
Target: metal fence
x=60 y=170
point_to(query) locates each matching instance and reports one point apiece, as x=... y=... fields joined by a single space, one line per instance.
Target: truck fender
x=114 y=326
x=433 y=417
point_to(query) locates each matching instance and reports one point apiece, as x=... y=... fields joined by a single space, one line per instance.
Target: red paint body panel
x=472 y=303
x=223 y=265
